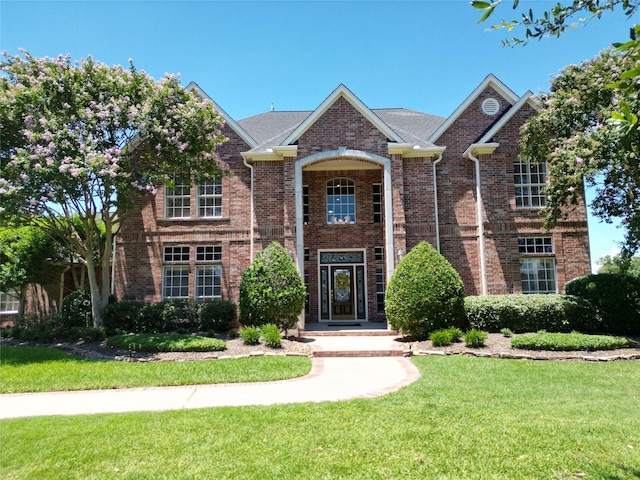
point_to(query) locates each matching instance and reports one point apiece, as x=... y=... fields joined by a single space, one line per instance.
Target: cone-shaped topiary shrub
x=424 y=294
x=271 y=290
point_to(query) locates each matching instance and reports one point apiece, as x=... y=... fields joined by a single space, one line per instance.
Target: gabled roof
x=227 y=118
x=508 y=115
x=489 y=81
x=342 y=92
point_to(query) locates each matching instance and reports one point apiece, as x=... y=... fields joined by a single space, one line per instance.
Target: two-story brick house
x=348 y=190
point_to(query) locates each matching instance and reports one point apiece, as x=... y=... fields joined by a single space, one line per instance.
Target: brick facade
x=342 y=124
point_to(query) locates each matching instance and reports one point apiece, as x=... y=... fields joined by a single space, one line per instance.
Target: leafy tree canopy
x=85 y=139
x=552 y=22
x=620 y=264
x=573 y=133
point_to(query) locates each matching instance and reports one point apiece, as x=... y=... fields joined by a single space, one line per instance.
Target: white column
x=388 y=220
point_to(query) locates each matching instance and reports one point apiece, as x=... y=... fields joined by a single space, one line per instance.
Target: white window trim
x=174 y=267
x=527 y=185
x=216 y=273
x=341 y=221
x=169 y=194
x=7 y=299
x=216 y=197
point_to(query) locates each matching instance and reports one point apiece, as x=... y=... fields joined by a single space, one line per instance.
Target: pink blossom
x=570 y=189
x=579 y=160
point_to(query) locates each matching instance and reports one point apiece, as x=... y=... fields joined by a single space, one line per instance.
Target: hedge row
x=603 y=303
x=168 y=316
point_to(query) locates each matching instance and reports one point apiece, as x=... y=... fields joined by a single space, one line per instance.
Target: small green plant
x=250 y=335
x=565 y=342
x=167 y=342
x=233 y=333
x=442 y=338
x=475 y=338
x=271 y=336
x=506 y=332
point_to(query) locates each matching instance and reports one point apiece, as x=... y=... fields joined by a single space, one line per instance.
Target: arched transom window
x=341 y=201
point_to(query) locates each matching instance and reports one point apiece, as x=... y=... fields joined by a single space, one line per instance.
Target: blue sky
x=424 y=55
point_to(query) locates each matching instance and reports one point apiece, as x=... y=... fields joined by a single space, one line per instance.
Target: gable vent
x=490 y=106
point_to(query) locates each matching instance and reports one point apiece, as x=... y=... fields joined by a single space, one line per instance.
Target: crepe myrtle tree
x=575 y=133
x=85 y=139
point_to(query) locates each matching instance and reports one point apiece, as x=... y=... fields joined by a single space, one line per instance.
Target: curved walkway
x=331 y=379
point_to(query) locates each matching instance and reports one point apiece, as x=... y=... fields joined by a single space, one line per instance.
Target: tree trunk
x=97 y=302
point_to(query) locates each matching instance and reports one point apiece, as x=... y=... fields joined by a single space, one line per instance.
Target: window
x=529 y=180
x=175 y=281
x=9 y=302
x=537 y=265
x=176 y=254
x=208 y=282
x=175 y=278
x=380 y=279
x=377 y=203
x=177 y=200
x=209 y=253
x=305 y=204
x=210 y=199
x=341 y=201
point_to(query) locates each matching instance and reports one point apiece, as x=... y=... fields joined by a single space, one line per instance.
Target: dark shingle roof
x=272 y=128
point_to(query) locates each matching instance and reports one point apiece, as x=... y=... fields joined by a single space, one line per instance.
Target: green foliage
x=166 y=342
x=271 y=336
x=615 y=299
x=620 y=264
x=506 y=332
x=233 y=333
x=424 y=294
x=76 y=309
x=122 y=317
x=571 y=132
x=250 y=335
x=475 y=338
x=271 y=290
x=442 y=338
x=529 y=313
x=216 y=315
x=573 y=341
x=552 y=22
x=52 y=331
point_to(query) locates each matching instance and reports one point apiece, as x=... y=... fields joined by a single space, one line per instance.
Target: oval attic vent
x=490 y=106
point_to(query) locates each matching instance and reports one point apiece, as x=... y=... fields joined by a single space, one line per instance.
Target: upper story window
x=210 y=199
x=378 y=203
x=177 y=200
x=529 y=179
x=341 y=201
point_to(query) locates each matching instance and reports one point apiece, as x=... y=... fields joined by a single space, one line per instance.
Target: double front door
x=343 y=288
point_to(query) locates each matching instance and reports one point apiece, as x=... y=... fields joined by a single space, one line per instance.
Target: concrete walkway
x=342 y=377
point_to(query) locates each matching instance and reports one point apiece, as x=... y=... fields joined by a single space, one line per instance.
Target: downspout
x=250 y=167
x=435 y=201
x=483 y=269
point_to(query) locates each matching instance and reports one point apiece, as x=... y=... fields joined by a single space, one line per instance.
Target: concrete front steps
x=354 y=343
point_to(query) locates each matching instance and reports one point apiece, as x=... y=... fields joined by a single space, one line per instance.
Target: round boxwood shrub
x=615 y=298
x=76 y=309
x=271 y=290
x=216 y=315
x=424 y=294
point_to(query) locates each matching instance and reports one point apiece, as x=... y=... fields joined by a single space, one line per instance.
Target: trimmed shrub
x=506 y=332
x=442 y=338
x=150 y=319
x=271 y=290
x=76 y=309
x=568 y=342
x=424 y=294
x=216 y=315
x=528 y=313
x=122 y=317
x=475 y=338
x=179 y=315
x=167 y=342
x=250 y=336
x=271 y=336
x=614 y=297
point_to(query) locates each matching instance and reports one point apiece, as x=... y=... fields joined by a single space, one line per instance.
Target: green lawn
x=465 y=418
x=34 y=369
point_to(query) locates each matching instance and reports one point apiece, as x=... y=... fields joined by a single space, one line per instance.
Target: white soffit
x=342 y=91
x=489 y=81
x=230 y=121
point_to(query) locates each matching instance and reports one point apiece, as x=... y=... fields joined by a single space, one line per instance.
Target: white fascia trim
x=490 y=80
x=525 y=99
x=342 y=91
x=408 y=150
x=274 y=153
x=227 y=118
x=480 y=149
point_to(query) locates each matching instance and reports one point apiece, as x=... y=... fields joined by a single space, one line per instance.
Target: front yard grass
x=465 y=418
x=36 y=369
